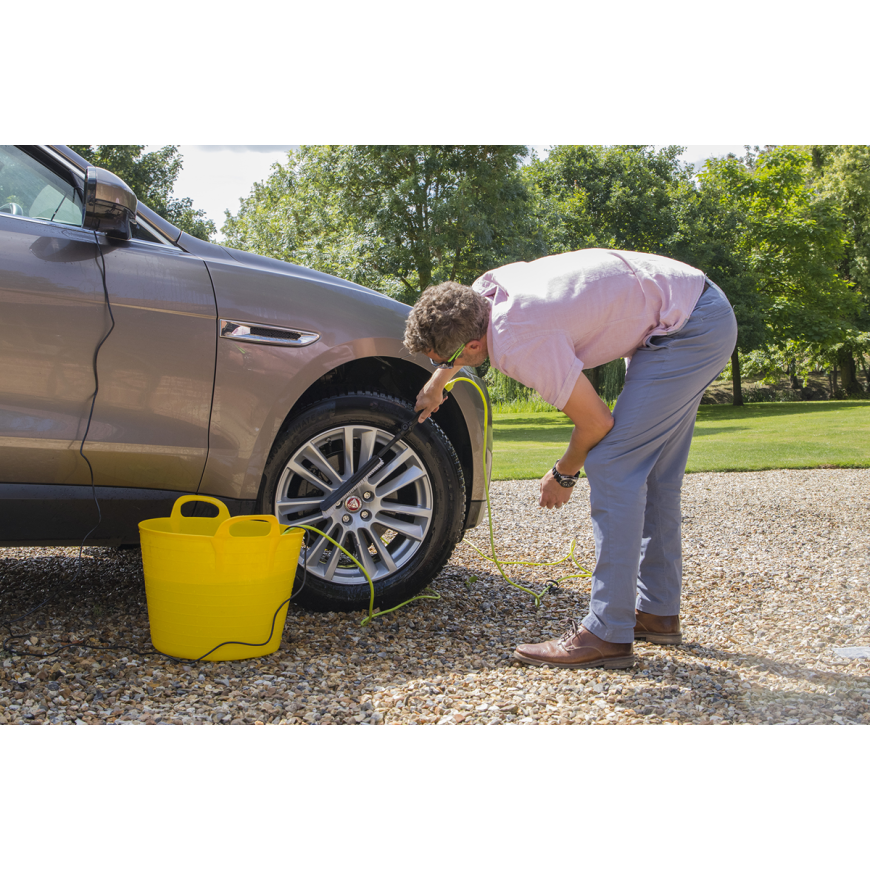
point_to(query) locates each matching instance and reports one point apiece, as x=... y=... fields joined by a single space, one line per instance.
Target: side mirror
x=110 y=206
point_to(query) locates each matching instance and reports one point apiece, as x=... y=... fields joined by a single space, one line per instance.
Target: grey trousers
x=636 y=472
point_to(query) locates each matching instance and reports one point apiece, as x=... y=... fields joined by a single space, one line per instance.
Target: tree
x=152 y=176
x=609 y=197
x=393 y=217
x=784 y=242
x=844 y=177
x=710 y=224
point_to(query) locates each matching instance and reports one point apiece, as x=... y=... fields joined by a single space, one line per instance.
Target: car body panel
x=265 y=383
x=151 y=415
x=53 y=314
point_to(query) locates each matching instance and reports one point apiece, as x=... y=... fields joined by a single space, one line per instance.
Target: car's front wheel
x=401 y=523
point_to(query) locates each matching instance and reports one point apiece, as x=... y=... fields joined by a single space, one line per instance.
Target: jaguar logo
x=353 y=504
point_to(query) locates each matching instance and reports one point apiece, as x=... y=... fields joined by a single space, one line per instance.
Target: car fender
x=257 y=389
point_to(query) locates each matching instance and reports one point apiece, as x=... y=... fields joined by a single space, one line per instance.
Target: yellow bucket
x=209 y=580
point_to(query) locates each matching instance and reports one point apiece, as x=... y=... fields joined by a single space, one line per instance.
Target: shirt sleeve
x=485 y=286
x=546 y=363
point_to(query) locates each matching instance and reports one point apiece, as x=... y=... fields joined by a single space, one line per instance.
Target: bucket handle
x=223 y=530
x=223 y=513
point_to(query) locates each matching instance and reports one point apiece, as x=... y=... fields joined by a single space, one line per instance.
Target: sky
x=216 y=177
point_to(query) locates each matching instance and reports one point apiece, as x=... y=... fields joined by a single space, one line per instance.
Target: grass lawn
x=749 y=438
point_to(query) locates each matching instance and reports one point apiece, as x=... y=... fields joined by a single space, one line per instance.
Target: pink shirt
x=553 y=317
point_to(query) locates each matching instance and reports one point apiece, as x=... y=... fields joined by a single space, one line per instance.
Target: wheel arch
x=400 y=378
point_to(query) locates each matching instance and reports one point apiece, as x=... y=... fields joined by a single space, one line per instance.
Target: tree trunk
x=424 y=271
x=849 y=373
x=735 y=379
x=594 y=375
x=833 y=381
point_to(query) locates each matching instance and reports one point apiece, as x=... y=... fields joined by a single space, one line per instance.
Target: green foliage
x=611 y=380
x=591 y=196
x=506 y=394
x=152 y=176
x=711 y=226
x=794 y=221
x=789 y=240
x=396 y=218
x=510 y=396
x=844 y=179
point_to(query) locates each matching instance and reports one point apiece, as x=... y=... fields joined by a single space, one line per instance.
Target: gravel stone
x=776 y=568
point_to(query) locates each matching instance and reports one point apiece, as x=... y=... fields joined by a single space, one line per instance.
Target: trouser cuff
x=615 y=635
x=657 y=609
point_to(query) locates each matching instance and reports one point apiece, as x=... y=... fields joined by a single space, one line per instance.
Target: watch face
x=563 y=479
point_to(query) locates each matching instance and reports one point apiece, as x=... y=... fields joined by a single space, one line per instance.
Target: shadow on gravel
x=826 y=702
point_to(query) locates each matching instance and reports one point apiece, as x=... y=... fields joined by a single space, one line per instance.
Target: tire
x=403 y=535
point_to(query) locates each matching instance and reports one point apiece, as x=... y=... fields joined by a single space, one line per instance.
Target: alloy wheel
x=383 y=521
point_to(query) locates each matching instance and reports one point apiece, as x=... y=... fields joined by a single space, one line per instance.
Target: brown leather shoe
x=576 y=648
x=657 y=629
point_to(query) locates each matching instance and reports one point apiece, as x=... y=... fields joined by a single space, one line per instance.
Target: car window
x=143 y=233
x=29 y=189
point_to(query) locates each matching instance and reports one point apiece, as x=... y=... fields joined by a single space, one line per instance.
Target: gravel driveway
x=776 y=581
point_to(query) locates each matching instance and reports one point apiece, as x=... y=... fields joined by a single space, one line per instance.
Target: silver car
x=138 y=363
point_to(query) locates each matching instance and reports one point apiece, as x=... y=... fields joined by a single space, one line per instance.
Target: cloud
x=239 y=149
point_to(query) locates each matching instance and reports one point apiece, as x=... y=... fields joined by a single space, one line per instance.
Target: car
x=140 y=363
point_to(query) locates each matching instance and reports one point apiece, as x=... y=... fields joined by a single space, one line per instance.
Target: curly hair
x=445 y=317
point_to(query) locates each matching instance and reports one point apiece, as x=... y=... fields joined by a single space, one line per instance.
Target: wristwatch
x=566 y=480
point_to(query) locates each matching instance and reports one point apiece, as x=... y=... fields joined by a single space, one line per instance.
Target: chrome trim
x=162 y=239
x=174 y=312
x=54 y=154
x=265 y=333
x=159 y=238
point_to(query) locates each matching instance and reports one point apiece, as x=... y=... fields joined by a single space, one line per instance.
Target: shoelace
x=569 y=633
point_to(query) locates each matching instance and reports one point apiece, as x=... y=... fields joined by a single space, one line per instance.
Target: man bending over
x=542 y=323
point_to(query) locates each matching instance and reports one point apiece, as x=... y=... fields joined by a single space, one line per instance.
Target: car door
x=52 y=315
x=155 y=368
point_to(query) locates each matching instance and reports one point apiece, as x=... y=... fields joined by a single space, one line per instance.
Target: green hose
x=371 y=614
x=538 y=597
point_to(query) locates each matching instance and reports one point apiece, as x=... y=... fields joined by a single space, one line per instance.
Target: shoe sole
x=615 y=662
x=660 y=638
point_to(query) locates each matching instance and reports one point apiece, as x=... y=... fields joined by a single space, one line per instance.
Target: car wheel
x=402 y=523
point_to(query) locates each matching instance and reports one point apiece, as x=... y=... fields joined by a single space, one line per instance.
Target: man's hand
x=432 y=396
x=553 y=494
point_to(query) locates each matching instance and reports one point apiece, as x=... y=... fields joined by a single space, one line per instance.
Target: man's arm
x=592 y=421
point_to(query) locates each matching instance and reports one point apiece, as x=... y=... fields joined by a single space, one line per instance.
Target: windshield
x=29 y=189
